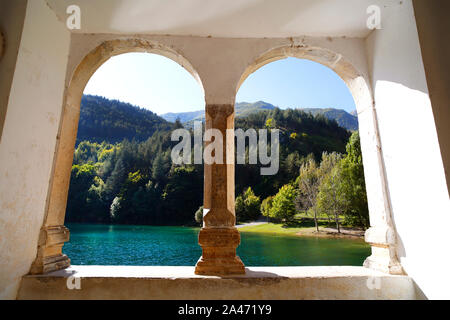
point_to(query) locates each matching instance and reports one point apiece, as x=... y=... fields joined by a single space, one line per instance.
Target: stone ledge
x=265 y=283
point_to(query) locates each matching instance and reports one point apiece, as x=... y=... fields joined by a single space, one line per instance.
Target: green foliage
x=270 y=123
x=283 y=207
x=247 y=206
x=266 y=206
x=160 y=167
x=318 y=135
x=134 y=182
x=340 y=188
x=308 y=184
x=331 y=198
x=112 y=121
x=353 y=184
x=343 y=118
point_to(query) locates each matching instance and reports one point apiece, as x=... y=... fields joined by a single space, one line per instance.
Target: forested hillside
x=112 y=121
x=135 y=182
x=342 y=117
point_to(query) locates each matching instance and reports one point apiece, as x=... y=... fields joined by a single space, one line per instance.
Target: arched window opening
x=313 y=209
x=128 y=203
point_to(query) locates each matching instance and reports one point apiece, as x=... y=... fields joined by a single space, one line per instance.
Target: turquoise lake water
x=177 y=246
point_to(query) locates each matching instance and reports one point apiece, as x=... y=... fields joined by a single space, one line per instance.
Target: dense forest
x=122 y=172
x=112 y=120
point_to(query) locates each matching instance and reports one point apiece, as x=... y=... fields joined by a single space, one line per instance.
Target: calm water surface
x=177 y=246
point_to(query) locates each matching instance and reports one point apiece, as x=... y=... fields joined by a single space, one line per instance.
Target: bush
x=266 y=206
x=283 y=206
x=247 y=206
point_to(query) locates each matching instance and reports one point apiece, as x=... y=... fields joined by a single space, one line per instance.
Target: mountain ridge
x=109 y=120
x=345 y=119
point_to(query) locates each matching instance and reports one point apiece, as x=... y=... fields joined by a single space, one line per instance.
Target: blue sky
x=161 y=85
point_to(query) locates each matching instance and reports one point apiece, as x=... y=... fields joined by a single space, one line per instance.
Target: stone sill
x=259 y=283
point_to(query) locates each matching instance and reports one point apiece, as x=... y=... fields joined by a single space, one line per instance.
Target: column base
x=384 y=256
x=219 y=252
x=49 y=256
x=49 y=264
x=219 y=266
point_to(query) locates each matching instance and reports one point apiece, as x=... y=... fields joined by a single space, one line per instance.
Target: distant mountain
x=243 y=109
x=342 y=117
x=183 y=116
x=112 y=121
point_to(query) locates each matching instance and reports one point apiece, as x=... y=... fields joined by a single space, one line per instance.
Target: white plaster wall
x=28 y=141
x=415 y=175
x=12 y=16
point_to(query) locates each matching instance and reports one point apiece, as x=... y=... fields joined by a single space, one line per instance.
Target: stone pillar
x=381 y=235
x=219 y=236
x=53 y=233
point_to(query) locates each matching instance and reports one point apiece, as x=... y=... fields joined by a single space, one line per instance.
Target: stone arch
x=381 y=235
x=53 y=233
x=355 y=81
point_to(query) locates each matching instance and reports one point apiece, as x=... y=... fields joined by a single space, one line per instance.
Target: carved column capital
x=219 y=111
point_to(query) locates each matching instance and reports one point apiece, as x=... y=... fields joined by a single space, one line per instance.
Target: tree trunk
x=315 y=220
x=336 y=216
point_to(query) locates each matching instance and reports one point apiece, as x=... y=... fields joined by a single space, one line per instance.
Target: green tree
x=115 y=180
x=266 y=206
x=239 y=207
x=308 y=186
x=183 y=194
x=81 y=179
x=160 y=168
x=247 y=206
x=353 y=184
x=331 y=197
x=283 y=206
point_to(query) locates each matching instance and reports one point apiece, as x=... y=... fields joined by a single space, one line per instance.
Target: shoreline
x=324 y=232
x=269 y=229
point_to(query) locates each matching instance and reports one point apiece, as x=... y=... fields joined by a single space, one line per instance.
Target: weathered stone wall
x=416 y=187
x=12 y=17
x=28 y=140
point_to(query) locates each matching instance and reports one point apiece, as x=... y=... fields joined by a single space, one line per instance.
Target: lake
x=177 y=246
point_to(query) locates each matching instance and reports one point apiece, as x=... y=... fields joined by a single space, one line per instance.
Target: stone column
x=53 y=233
x=381 y=235
x=219 y=236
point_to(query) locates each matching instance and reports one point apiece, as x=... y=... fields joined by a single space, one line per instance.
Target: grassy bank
x=304 y=228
